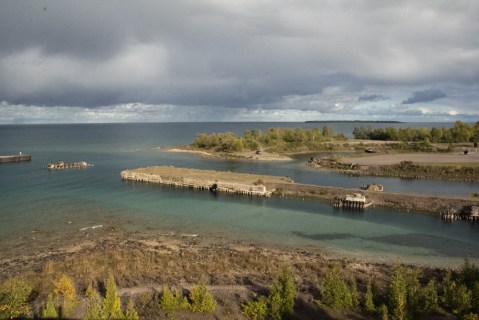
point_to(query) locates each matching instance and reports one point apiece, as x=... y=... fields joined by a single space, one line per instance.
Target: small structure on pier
x=351 y=201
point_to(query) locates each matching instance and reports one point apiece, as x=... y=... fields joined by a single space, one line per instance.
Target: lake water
x=34 y=198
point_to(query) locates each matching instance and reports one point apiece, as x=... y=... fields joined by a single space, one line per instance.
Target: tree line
x=254 y=139
x=461 y=132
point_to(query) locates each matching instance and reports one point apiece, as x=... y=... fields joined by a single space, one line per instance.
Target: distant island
x=352 y=121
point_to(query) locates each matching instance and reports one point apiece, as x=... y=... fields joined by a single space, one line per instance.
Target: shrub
x=430 y=297
x=202 y=300
x=256 y=310
x=172 y=302
x=14 y=294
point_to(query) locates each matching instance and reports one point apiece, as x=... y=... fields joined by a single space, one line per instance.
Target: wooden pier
x=16 y=158
x=355 y=201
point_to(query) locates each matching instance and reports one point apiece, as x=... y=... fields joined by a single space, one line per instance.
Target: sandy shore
x=247 y=155
x=390 y=159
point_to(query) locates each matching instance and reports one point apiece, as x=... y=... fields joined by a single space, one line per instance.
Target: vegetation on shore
x=404 y=169
x=308 y=287
x=461 y=132
x=283 y=140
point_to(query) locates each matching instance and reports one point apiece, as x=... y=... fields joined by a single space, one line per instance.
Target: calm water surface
x=33 y=198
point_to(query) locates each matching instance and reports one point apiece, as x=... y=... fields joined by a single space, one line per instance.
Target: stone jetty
x=265 y=186
x=215 y=181
x=15 y=158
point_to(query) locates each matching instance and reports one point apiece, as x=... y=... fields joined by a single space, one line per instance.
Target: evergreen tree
x=282 y=295
x=94 y=305
x=112 y=304
x=369 y=299
x=398 y=293
x=50 y=311
x=383 y=312
x=131 y=313
x=430 y=297
x=354 y=295
x=202 y=300
x=335 y=291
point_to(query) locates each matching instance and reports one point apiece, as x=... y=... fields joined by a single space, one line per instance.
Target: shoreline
x=247 y=155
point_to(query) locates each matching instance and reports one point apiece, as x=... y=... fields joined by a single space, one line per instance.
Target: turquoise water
x=60 y=203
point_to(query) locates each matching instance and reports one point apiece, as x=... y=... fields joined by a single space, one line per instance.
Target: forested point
x=281 y=139
x=461 y=132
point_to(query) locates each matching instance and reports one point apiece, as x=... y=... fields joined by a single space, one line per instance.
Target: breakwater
x=260 y=185
x=216 y=181
x=15 y=158
x=417 y=202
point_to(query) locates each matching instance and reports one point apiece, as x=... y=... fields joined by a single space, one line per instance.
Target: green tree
x=50 y=311
x=430 y=297
x=335 y=291
x=112 y=303
x=256 y=310
x=131 y=313
x=383 y=312
x=369 y=299
x=202 y=300
x=282 y=295
x=354 y=295
x=398 y=293
x=94 y=305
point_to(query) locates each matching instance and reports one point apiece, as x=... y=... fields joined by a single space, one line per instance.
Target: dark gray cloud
x=302 y=55
x=425 y=96
x=372 y=97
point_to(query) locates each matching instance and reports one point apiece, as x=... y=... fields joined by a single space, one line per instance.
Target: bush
x=398 y=293
x=256 y=310
x=14 y=294
x=202 y=300
x=369 y=299
x=170 y=302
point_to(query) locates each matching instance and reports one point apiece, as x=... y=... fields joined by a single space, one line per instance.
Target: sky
x=238 y=60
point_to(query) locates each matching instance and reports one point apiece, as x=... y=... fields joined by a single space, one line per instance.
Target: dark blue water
x=60 y=203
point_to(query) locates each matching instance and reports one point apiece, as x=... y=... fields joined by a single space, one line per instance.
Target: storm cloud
x=241 y=56
x=425 y=96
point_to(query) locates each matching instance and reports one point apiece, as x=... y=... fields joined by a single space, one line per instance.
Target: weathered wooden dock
x=15 y=158
x=356 y=201
x=216 y=181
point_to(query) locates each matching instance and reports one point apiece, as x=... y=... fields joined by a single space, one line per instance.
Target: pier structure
x=355 y=201
x=62 y=165
x=15 y=158
x=215 y=181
